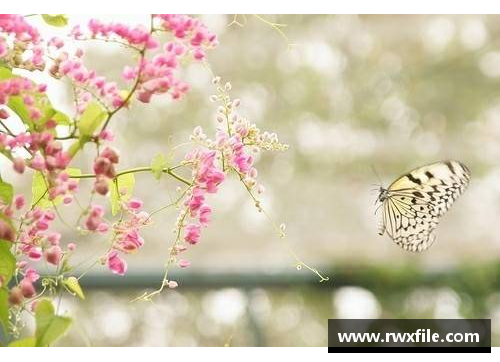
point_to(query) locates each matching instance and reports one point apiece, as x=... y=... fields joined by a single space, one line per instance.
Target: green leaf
x=4 y=310
x=73 y=285
x=61 y=119
x=122 y=188
x=5 y=72
x=7 y=261
x=91 y=118
x=49 y=327
x=57 y=20
x=78 y=145
x=7 y=268
x=158 y=163
x=17 y=105
x=39 y=189
x=25 y=342
x=6 y=192
x=42 y=103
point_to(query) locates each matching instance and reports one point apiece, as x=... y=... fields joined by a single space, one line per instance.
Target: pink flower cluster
x=207 y=178
x=138 y=36
x=104 y=169
x=157 y=76
x=25 y=289
x=15 y=27
x=17 y=86
x=36 y=241
x=95 y=221
x=127 y=238
x=49 y=153
x=241 y=161
x=36 y=235
x=30 y=276
x=86 y=80
x=206 y=174
x=48 y=157
x=192 y=31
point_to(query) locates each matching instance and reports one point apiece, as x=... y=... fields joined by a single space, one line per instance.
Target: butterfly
x=413 y=203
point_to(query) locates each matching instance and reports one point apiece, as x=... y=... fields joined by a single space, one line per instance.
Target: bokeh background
x=353 y=96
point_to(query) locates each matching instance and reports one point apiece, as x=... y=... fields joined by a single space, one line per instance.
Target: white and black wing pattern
x=414 y=202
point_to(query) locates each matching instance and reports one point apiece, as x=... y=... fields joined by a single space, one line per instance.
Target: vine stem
x=299 y=263
x=168 y=170
x=142 y=54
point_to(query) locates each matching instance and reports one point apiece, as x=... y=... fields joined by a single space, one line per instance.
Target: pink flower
x=19 y=165
x=27 y=288
x=183 y=263
x=71 y=246
x=131 y=240
x=19 y=201
x=208 y=174
x=172 y=284
x=103 y=166
x=116 y=264
x=196 y=200
x=205 y=212
x=56 y=42
x=135 y=204
x=3 y=113
x=53 y=255
x=106 y=135
x=38 y=163
x=192 y=233
x=129 y=73
x=101 y=185
x=103 y=227
x=54 y=238
x=31 y=274
x=243 y=162
x=110 y=154
x=35 y=253
x=19 y=27
x=94 y=221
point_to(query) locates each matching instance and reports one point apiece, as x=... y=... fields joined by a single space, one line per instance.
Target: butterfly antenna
x=376 y=174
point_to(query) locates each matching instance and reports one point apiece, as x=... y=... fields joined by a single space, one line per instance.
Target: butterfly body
x=413 y=203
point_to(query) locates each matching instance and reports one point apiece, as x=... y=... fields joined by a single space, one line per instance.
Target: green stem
x=168 y=170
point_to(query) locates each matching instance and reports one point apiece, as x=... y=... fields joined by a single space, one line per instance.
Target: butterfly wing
x=416 y=200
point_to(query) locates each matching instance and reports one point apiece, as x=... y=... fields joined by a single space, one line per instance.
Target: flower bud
x=4 y=114
x=172 y=284
x=19 y=164
x=135 y=204
x=101 y=186
x=6 y=232
x=35 y=253
x=53 y=255
x=27 y=288
x=101 y=165
x=110 y=154
x=16 y=296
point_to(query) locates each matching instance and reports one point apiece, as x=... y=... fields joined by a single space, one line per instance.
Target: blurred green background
x=353 y=94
